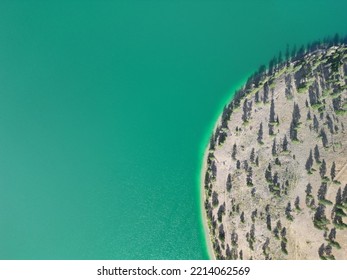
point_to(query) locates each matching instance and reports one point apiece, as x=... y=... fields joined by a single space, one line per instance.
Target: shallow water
x=105 y=111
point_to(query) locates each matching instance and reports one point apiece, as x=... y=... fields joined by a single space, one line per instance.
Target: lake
x=106 y=108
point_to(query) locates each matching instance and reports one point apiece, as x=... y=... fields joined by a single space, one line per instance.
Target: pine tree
x=212 y=143
x=333 y=171
x=242 y=217
x=252 y=156
x=323 y=169
x=284 y=247
x=319 y=218
x=297 y=203
x=344 y=195
x=324 y=138
x=268 y=174
x=256 y=97
x=221 y=212
x=296 y=114
x=221 y=232
x=268 y=222
x=260 y=134
x=309 y=162
x=322 y=192
x=284 y=233
x=332 y=234
x=285 y=143
x=315 y=123
x=308 y=190
x=293 y=134
x=271 y=129
x=330 y=124
x=288 y=211
x=234 y=238
x=338 y=199
x=274 y=147
x=257 y=161
x=245 y=111
x=272 y=111
x=321 y=251
x=215 y=201
x=249 y=177
x=316 y=154
x=234 y=152
x=252 y=233
x=229 y=184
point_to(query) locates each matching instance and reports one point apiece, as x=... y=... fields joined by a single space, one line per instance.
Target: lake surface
x=106 y=108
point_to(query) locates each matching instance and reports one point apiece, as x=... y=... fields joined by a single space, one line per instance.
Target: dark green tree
x=274 y=147
x=324 y=137
x=315 y=123
x=333 y=171
x=260 y=134
x=285 y=143
x=316 y=154
x=323 y=169
x=234 y=152
x=272 y=111
x=309 y=162
x=297 y=203
x=252 y=155
x=229 y=184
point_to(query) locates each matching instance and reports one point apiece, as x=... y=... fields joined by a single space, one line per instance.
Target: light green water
x=105 y=111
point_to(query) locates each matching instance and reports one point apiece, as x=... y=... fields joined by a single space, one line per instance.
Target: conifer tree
x=324 y=138
x=272 y=111
x=297 y=203
x=316 y=154
x=285 y=143
x=252 y=156
x=268 y=221
x=323 y=169
x=274 y=147
x=229 y=184
x=260 y=134
x=333 y=171
x=315 y=123
x=322 y=192
x=309 y=162
x=292 y=132
x=234 y=152
x=288 y=211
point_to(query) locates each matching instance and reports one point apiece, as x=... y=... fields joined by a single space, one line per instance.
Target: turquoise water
x=105 y=111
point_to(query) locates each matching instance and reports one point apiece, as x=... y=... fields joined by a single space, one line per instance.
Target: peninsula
x=274 y=176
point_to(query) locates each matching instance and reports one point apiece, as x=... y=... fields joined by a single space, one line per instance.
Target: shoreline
x=204 y=217
x=208 y=241
x=207 y=234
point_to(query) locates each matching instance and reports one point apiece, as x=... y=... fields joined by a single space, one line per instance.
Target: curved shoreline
x=203 y=169
x=202 y=208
